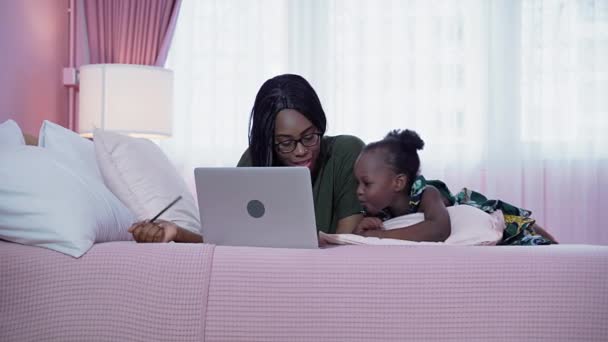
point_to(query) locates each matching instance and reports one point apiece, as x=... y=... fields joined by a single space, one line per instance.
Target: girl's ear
x=399 y=182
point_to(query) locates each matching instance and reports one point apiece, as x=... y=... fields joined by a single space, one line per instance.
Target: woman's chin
x=309 y=165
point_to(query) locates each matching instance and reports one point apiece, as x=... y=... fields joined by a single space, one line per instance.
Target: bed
x=126 y=291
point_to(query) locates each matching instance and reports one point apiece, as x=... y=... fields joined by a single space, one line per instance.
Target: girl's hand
x=158 y=231
x=368 y=225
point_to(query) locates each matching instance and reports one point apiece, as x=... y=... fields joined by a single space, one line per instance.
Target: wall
x=34 y=41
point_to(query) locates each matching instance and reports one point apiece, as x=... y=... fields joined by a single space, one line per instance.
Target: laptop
x=256 y=206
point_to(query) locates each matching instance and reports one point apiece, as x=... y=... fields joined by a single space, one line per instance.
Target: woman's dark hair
x=281 y=92
x=401 y=152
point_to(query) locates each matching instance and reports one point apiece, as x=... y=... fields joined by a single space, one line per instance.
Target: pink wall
x=34 y=41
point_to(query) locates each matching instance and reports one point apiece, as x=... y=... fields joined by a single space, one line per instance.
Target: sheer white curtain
x=510 y=96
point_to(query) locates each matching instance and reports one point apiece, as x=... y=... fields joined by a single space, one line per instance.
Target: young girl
x=390 y=185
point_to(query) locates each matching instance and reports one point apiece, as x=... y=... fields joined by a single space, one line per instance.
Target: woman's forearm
x=184 y=235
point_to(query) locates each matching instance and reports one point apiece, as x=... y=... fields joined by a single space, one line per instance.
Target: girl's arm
x=348 y=224
x=435 y=227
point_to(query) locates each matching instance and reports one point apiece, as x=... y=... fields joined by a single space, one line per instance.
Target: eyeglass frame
x=298 y=141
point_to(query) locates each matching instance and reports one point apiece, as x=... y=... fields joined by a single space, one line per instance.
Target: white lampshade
x=131 y=99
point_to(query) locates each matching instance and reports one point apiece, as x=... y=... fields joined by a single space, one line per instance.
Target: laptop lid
x=256 y=206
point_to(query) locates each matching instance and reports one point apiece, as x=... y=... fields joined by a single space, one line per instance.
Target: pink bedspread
x=180 y=292
x=118 y=291
x=394 y=293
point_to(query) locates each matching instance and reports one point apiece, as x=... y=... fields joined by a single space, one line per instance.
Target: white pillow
x=470 y=227
x=10 y=134
x=43 y=202
x=143 y=178
x=79 y=151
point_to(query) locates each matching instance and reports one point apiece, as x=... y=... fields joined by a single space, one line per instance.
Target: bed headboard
x=30 y=139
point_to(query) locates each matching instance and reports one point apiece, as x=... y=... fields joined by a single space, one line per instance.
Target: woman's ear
x=399 y=182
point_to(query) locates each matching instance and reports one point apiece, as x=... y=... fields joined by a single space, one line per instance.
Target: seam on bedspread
x=205 y=300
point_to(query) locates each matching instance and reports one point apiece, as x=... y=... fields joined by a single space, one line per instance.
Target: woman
x=287 y=128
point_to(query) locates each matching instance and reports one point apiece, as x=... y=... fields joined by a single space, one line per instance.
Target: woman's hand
x=157 y=231
x=369 y=226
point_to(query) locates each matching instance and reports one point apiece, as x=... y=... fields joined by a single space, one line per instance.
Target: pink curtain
x=130 y=31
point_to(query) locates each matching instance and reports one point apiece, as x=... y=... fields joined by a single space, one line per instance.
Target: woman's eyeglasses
x=307 y=140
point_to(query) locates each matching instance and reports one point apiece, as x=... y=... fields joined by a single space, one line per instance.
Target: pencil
x=166 y=208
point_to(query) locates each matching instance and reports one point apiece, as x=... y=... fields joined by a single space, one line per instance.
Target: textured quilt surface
x=118 y=291
x=397 y=293
x=123 y=291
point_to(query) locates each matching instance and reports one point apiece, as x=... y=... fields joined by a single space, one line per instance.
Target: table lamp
x=125 y=98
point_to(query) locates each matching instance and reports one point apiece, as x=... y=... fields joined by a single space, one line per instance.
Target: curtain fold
x=130 y=31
